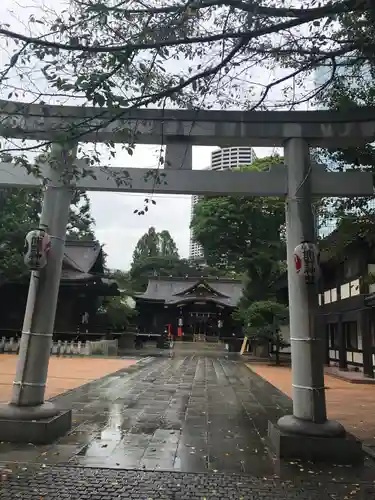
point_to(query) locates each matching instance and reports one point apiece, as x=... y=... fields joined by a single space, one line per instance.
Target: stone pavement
x=191 y=427
x=71 y=483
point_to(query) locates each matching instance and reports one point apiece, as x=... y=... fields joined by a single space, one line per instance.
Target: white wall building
x=221 y=159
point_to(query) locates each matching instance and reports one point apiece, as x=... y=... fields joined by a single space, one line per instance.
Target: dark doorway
x=203 y=325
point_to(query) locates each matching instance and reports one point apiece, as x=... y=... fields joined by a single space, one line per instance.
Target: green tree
x=244 y=234
x=117 y=311
x=122 y=279
x=167 y=245
x=81 y=222
x=166 y=266
x=153 y=244
x=20 y=210
x=353 y=216
x=160 y=265
x=147 y=246
x=19 y=213
x=262 y=324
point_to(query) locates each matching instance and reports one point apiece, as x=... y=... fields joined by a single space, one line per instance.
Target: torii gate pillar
x=28 y=418
x=307 y=434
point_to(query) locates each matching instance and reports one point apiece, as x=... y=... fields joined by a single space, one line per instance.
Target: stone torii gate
x=305 y=434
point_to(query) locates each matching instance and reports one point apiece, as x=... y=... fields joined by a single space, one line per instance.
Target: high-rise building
x=221 y=159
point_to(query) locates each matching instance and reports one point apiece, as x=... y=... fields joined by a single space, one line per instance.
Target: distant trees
x=118 y=313
x=156 y=254
x=19 y=213
x=167 y=245
x=153 y=244
x=159 y=265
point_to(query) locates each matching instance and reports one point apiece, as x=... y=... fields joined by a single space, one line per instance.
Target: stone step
x=199 y=346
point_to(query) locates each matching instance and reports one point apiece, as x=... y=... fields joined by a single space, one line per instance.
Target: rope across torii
x=298 y=180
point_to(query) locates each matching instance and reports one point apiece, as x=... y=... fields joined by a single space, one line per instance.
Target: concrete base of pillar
x=10 y=411
x=36 y=425
x=336 y=449
x=293 y=425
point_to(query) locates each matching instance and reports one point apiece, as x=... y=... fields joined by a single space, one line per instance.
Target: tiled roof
x=175 y=290
x=81 y=255
x=79 y=259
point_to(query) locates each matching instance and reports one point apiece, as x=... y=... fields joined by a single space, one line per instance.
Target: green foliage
x=167 y=245
x=127 y=54
x=352 y=85
x=153 y=244
x=264 y=314
x=243 y=234
x=262 y=321
x=147 y=246
x=166 y=266
x=81 y=222
x=158 y=265
x=122 y=279
x=19 y=214
x=118 y=312
x=20 y=211
x=247 y=235
x=156 y=254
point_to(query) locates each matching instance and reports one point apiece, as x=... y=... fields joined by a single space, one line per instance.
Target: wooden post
x=343 y=364
x=364 y=323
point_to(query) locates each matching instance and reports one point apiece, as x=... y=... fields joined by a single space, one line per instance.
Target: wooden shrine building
x=347 y=305
x=82 y=288
x=191 y=308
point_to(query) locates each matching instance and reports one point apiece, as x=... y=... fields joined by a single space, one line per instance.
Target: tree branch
x=251 y=7
x=310 y=15
x=143 y=101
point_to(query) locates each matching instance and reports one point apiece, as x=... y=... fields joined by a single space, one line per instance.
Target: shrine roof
x=83 y=261
x=224 y=291
x=81 y=255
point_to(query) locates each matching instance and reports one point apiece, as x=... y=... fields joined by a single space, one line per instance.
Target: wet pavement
x=192 y=414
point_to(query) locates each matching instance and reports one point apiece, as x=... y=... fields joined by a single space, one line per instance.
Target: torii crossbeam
x=198 y=182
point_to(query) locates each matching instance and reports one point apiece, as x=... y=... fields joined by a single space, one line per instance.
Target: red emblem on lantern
x=297 y=263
